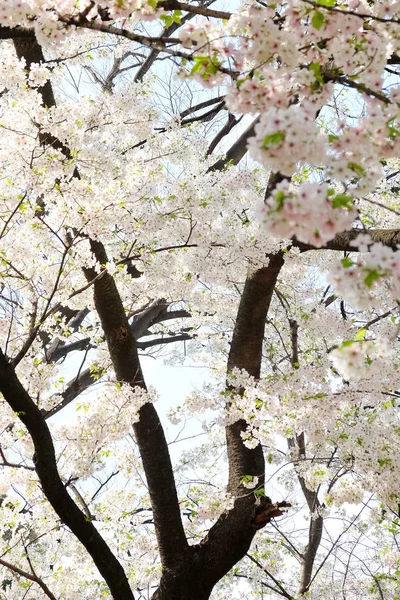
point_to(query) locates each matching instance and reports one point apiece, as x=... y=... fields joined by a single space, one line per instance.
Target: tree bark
x=53 y=488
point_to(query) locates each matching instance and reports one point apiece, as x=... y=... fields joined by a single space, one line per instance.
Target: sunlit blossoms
x=311 y=212
x=287 y=138
x=358 y=359
x=181 y=194
x=357 y=278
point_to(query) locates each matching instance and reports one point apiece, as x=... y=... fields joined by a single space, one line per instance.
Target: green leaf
x=176 y=16
x=206 y=66
x=356 y=168
x=273 y=139
x=360 y=335
x=168 y=20
x=346 y=344
x=327 y=2
x=198 y=63
x=347 y=262
x=317 y=20
x=342 y=200
x=391 y=125
x=247 y=478
x=280 y=201
x=373 y=275
x=315 y=67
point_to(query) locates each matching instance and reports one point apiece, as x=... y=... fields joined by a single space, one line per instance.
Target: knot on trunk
x=267 y=510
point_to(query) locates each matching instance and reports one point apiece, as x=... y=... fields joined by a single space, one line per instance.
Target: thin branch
x=196 y=10
x=351 y=12
x=281 y=589
x=28 y=576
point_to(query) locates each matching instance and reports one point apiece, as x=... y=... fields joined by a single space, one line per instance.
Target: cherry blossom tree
x=129 y=223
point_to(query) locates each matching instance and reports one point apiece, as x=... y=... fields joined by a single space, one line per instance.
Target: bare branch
x=28 y=576
x=236 y=151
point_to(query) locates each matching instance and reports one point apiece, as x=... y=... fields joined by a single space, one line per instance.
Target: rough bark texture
x=148 y=430
x=246 y=353
x=343 y=241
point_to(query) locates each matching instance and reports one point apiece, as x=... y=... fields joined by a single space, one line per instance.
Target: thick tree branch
x=225 y=130
x=74 y=388
x=236 y=151
x=148 y=430
x=28 y=48
x=53 y=488
x=343 y=241
x=148 y=317
x=248 y=335
x=58 y=349
x=201 y=105
x=308 y=558
x=162 y=341
x=12 y=33
x=230 y=537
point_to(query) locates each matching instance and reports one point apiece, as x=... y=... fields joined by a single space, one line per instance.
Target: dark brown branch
x=59 y=349
x=27 y=411
x=236 y=151
x=230 y=537
x=167 y=340
x=248 y=335
x=148 y=430
x=28 y=576
x=74 y=388
x=12 y=33
x=28 y=48
x=281 y=590
x=148 y=317
x=356 y=85
x=174 y=314
x=343 y=241
x=159 y=43
x=205 y=117
x=314 y=540
x=297 y=445
x=225 y=130
x=153 y=55
x=53 y=488
x=196 y=10
x=200 y=106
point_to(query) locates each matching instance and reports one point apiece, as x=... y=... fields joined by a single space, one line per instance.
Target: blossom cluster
x=356 y=278
x=359 y=359
x=287 y=74
x=286 y=138
x=311 y=212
